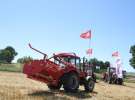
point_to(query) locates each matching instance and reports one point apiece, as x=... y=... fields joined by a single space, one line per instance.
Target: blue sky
x=55 y=26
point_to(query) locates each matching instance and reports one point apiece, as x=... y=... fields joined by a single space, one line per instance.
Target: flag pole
x=89 y=47
x=89 y=44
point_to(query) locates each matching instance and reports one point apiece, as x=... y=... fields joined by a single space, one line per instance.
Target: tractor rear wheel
x=89 y=85
x=71 y=82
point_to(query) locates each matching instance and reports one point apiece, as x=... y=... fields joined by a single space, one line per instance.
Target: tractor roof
x=72 y=55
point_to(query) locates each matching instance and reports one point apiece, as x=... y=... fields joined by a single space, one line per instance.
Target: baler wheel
x=120 y=81
x=51 y=87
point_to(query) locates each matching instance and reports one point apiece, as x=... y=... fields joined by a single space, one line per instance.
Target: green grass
x=129 y=81
x=11 y=67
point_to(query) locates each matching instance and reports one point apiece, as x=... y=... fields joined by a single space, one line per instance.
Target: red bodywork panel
x=43 y=70
x=47 y=71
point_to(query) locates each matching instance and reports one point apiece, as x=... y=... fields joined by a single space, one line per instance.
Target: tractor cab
x=68 y=58
x=81 y=64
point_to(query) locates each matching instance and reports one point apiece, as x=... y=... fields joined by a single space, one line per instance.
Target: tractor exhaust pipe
x=38 y=51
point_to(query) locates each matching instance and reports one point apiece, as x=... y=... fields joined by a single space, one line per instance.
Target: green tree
x=132 y=60
x=24 y=59
x=94 y=62
x=101 y=64
x=107 y=64
x=7 y=54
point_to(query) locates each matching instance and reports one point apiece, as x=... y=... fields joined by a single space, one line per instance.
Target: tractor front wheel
x=89 y=85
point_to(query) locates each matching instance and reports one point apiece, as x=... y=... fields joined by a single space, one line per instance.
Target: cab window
x=72 y=61
x=78 y=63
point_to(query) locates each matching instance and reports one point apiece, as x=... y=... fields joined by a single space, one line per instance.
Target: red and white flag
x=89 y=51
x=86 y=35
x=115 y=54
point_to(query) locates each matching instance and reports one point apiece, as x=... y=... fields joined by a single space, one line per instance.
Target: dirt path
x=15 y=86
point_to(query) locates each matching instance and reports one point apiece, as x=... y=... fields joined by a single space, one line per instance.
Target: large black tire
x=94 y=77
x=105 y=77
x=71 y=82
x=120 y=81
x=110 y=80
x=51 y=87
x=113 y=79
x=89 y=85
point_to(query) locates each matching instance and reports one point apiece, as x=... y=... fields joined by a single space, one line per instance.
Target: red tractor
x=111 y=77
x=65 y=70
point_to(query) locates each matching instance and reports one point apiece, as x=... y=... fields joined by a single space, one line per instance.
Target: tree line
x=8 y=54
x=100 y=64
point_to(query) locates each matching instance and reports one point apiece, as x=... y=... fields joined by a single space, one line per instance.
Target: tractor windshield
x=57 y=61
x=65 y=57
x=74 y=61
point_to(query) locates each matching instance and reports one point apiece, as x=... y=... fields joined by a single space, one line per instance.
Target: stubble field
x=15 y=86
